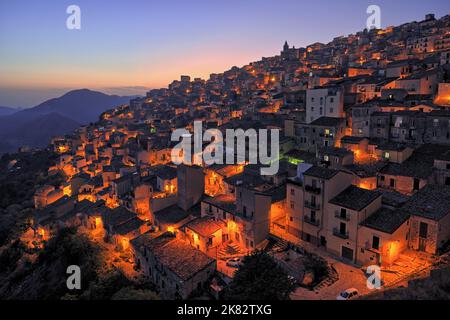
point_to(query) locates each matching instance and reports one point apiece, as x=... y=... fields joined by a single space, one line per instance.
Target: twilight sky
x=125 y=47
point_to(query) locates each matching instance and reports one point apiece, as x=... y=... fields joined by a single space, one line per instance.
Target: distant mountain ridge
x=82 y=105
x=35 y=126
x=4 y=111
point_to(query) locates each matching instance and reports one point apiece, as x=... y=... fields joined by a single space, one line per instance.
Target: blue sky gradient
x=126 y=47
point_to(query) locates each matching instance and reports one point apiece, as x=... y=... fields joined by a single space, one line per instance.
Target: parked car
x=347 y=294
x=234 y=262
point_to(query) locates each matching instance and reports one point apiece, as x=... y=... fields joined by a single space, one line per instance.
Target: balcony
x=339 y=234
x=338 y=215
x=313 y=206
x=312 y=189
x=368 y=246
x=313 y=222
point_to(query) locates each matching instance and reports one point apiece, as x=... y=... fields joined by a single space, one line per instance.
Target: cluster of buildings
x=364 y=160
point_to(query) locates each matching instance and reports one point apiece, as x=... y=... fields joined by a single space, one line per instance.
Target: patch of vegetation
x=10 y=256
x=129 y=293
x=260 y=278
x=18 y=183
x=44 y=278
x=317 y=266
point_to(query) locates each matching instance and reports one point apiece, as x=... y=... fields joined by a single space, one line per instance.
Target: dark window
x=342 y=228
x=423 y=230
x=343 y=213
x=375 y=242
x=416 y=184
x=392 y=183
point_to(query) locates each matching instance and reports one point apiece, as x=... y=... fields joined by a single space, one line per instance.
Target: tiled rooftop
x=386 y=220
x=176 y=255
x=321 y=172
x=204 y=226
x=355 y=198
x=432 y=202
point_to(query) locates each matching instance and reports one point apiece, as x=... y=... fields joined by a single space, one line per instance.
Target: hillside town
x=363 y=179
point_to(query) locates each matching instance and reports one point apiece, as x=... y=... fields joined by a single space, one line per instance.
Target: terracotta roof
x=205 y=226
x=128 y=226
x=117 y=216
x=176 y=255
x=224 y=202
x=171 y=215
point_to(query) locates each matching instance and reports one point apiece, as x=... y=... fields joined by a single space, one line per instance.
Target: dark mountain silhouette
x=82 y=105
x=38 y=131
x=35 y=126
x=4 y=111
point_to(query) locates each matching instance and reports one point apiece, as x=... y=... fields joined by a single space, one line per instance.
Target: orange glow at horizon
x=140 y=71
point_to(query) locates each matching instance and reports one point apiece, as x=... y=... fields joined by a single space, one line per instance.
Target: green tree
x=106 y=286
x=46 y=277
x=318 y=266
x=259 y=278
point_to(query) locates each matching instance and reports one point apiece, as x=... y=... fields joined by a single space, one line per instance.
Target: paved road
x=349 y=277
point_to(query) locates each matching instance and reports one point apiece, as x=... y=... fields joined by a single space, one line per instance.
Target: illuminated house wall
x=390 y=246
x=337 y=242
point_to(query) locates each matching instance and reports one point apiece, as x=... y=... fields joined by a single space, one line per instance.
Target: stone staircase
x=229 y=250
x=277 y=244
x=280 y=246
x=329 y=280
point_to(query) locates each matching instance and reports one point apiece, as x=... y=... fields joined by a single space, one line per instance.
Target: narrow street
x=410 y=265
